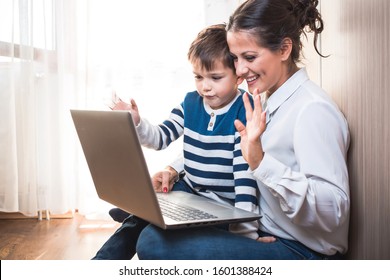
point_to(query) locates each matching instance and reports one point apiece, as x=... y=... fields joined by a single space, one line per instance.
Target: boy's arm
x=178 y=164
x=159 y=137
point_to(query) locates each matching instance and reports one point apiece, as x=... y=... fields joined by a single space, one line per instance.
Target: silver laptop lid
x=107 y=151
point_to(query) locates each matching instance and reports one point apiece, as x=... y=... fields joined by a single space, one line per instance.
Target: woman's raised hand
x=251 y=146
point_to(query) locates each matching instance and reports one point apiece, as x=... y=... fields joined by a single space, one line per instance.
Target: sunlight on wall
x=141 y=52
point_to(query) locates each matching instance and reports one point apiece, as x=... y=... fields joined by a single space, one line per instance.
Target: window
x=28 y=29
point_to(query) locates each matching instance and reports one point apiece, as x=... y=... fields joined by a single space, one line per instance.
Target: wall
x=357 y=76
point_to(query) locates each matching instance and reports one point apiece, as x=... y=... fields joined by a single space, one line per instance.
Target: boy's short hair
x=211 y=45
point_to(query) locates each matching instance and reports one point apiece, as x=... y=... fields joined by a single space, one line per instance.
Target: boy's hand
x=163 y=180
x=119 y=104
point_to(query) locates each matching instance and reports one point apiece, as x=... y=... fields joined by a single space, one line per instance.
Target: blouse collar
x=285 y=91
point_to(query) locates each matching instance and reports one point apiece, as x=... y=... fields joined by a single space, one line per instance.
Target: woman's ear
x=286 y=49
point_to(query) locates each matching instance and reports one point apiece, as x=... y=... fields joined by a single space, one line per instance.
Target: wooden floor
x=74 y=238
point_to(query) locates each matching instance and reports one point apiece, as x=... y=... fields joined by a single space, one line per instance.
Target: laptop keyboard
x=182 y=213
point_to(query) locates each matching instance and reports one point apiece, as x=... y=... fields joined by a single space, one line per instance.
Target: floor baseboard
x=18 y=215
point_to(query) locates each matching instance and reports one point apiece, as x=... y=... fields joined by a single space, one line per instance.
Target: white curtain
x=61 y=54
x=42 y=76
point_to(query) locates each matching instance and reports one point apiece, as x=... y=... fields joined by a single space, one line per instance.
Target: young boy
x=213 y=164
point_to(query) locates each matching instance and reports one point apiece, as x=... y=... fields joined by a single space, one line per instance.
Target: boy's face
x=218 y=86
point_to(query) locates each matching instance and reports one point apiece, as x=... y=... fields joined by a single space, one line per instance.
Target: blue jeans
x=217 y=244
x=122 y=244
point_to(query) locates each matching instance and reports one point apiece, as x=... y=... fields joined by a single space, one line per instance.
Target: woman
x=296 y=147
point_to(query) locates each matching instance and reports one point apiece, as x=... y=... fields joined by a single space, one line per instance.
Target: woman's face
x=261 y=68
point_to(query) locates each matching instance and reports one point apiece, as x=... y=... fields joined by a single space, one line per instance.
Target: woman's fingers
x=266 y=239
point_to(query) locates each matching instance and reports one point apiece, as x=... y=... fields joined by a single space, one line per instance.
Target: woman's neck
x=291 y=69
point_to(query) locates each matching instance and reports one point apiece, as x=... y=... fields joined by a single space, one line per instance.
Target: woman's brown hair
x=272 y=21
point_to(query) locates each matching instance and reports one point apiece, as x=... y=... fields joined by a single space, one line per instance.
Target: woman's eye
x=234 y=58
x=250 y=58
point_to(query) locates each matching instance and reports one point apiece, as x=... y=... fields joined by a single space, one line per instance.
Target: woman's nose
x=241 y=68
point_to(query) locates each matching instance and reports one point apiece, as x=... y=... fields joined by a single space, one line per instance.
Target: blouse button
x=211 y=124
x=212 y=114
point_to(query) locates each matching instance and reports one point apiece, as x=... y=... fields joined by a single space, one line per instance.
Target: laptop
x=121 y=177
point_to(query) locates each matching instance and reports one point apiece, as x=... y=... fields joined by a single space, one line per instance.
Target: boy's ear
x=286 y=49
